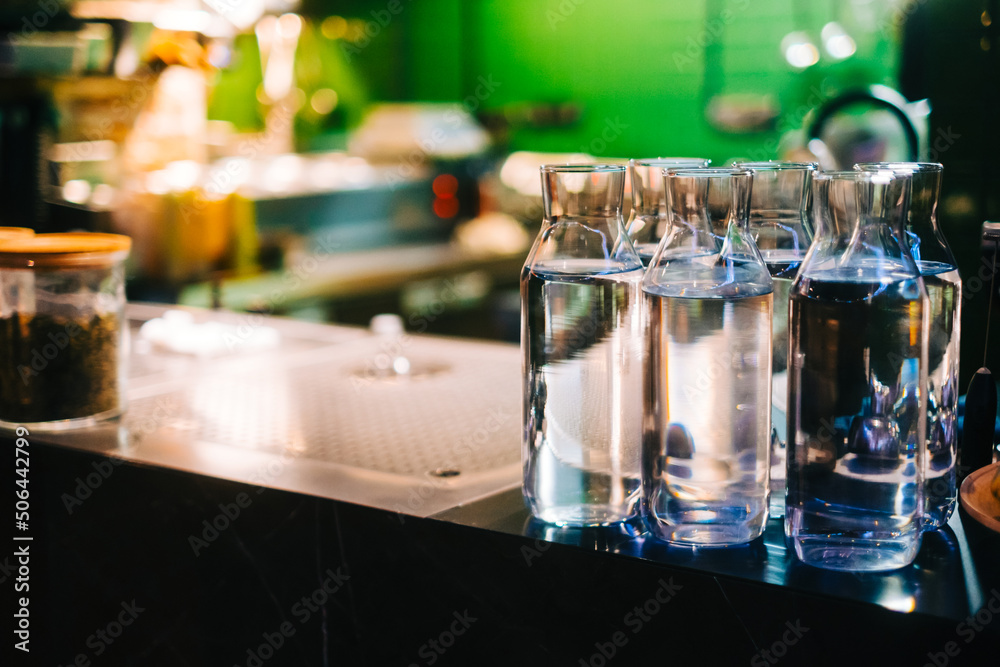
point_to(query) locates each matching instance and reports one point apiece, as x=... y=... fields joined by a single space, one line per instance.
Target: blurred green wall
x=641 y=72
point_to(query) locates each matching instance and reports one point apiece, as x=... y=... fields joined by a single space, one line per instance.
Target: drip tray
x=318 y=416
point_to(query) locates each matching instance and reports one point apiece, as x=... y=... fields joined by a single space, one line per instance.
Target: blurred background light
x=799 y=50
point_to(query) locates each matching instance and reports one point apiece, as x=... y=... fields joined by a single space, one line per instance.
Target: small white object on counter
x=176 y=331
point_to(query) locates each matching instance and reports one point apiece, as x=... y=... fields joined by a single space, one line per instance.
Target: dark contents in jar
x=58 y=367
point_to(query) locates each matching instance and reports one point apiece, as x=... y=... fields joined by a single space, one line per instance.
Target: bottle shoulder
x=572 y=246
x=708 y=278
x=554 y=268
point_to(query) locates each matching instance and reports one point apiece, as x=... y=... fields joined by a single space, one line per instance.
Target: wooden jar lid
x=72 y=250
x=15 y=232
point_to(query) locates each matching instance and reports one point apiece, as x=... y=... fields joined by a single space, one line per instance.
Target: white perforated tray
x=314 y=417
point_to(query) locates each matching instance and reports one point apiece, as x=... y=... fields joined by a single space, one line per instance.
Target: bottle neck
x=922 y=232
x=583 y=221
x=780 y=194
x=707 y=252
x=647 y=191
x=860 y=227
x=584 y=196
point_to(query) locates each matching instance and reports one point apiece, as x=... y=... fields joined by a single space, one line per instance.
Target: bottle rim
x=582 y=168
x=845 y=174
x=671 y=161
x=778 y=165
x=875 y=176
x=706 y=172
x=901 y=167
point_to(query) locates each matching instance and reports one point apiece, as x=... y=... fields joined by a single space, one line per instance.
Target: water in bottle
x=939 y=270
x=708 y=311
x=582 y=354
x=780 y=228
x=857 y=378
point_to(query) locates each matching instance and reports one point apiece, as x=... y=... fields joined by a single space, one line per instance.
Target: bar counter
x=295 y=506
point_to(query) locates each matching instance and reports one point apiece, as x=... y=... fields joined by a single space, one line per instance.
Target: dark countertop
x=220 y=522
x=953 y=575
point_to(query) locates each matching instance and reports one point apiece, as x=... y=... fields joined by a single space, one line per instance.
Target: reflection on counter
x=948 y=578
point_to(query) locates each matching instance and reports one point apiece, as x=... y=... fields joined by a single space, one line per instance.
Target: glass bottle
x=707 y=302
x=857 y=405
x=780 y=228
x=581 y=341
x=648 y=219
x=939 y=269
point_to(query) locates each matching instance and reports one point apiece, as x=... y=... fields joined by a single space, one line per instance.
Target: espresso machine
x=74 y=77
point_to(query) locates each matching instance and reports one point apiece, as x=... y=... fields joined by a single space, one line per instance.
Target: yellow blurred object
x=334 y=27
x=174 y=48
x=172 y=126
x=492 y=234
x=183 y=232
x=196 y=230
x=14 y=233
x=101 y=108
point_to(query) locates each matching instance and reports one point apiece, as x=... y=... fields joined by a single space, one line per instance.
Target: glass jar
x=62 y=331
x=581 y=340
